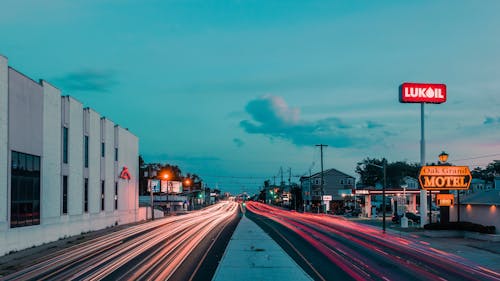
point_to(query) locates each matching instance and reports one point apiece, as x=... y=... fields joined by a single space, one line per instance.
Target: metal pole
x=430 y=206
x=151 y=192
x=322 y=180
x=458 y=198
x=383 y=196
x=423 y=193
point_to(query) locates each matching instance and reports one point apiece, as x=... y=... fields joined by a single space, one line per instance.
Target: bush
x=463 y=225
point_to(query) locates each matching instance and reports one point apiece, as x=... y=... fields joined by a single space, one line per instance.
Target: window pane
x=22 y=161
x=65 y=145
x=36 y=164
x=15 y=160
x=29 y=163
x=86 y=156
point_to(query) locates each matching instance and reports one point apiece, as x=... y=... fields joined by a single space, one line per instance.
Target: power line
x=477 y=157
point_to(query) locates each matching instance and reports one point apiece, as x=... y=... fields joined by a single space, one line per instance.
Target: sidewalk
x=253 y=255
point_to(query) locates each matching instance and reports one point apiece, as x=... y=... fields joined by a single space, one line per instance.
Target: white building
x=63 y=168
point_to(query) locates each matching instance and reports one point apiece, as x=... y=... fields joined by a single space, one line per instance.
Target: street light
x=187 y=182
x=150 y=173
x=384 y=168
x=443 y=157
x=165 y=177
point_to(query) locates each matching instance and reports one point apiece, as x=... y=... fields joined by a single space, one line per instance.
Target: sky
x=236 y=91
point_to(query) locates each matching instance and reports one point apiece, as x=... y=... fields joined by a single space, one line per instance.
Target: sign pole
x=423 y=193
x=410 y=92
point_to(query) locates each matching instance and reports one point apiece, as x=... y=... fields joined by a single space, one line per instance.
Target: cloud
x=272 y=117
x=373 y=125
x=491 y=120
x=238 y=142
x=163 y=157
x=87 y=80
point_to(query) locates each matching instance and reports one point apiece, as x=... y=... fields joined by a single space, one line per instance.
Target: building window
x=25 y=190
x=65 y=145
x=116 y=195
x=116 y=153
x=341 y=181
x=102 y=195
x=102 y=149
x=65 y=195
x=86 y=155
x=86 y=195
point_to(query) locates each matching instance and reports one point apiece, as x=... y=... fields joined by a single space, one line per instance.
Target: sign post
x=444 y=179
x=422 y=93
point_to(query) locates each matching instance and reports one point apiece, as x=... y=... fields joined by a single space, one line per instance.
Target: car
x=411 y=216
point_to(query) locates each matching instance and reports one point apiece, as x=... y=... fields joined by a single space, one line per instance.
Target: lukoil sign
x=422 y=93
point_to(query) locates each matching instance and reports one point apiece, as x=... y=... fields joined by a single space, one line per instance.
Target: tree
x=395 y=172
x=488 y=173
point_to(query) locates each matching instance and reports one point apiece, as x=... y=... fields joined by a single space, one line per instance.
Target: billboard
x=155 y=184
x=444 y=177
x=422 y=93
x=173 y=186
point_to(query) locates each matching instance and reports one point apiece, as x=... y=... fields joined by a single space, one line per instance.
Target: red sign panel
x=422 y=93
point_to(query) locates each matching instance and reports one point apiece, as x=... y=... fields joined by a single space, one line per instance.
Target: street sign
x=444 y=200
x=444 y=177
x=422 y=93
x=327 y=198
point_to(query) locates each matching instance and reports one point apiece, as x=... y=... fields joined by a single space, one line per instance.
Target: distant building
x=64 y=169
x=477 y=185
x=480 y=207
x=336 y=183
x=410 y=183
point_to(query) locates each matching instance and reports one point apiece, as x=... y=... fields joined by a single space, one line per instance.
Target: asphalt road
x=158 y=250
x=331 y=248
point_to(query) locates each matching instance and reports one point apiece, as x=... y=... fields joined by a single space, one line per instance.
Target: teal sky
x=234 y=90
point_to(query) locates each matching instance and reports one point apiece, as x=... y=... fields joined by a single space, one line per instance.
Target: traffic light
x=200 y=195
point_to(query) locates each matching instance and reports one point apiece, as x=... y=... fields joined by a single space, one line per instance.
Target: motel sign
x=444 y=177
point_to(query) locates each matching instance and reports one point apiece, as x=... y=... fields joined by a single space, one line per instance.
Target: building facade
x=336 y=184
x=64 y=169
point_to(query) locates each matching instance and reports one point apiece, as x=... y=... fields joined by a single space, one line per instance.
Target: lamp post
x=444 y=211
x=165 y=177
x=150 y=174
x=187 y=182
x=384 y=168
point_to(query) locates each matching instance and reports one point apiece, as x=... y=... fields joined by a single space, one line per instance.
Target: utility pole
x=289 y=176
x=281 y=175
x=151 y=174
x=322 y=180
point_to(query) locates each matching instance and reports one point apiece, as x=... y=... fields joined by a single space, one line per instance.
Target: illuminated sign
x=125 y=174
x=171 y=186
x=444 y=200
x=422 y=93
x=327 y=198
x=155 y=185
x=444 y=177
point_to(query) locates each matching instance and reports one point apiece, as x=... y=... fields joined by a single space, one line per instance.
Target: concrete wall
x=75 y=161
x=128 y=148
x=4 y=137
x=25 y=114
x=94 y=169
x=50 y=196
x=108 y=173
x=32 y=116
x=481 y=214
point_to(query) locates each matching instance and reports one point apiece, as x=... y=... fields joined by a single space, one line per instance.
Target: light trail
x=150 y=251
x=364 y=252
